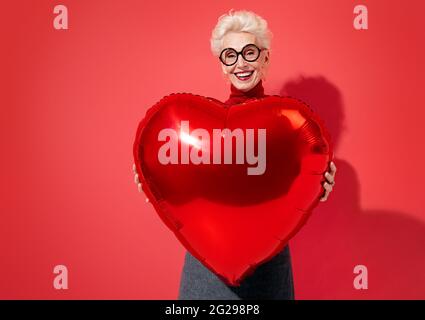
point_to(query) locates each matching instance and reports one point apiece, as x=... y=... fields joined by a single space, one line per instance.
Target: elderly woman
x=241 y=41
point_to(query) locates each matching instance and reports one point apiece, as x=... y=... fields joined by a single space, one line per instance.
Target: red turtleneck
x=238 y=96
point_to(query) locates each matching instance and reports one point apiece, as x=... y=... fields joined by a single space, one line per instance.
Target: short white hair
x=240 y=21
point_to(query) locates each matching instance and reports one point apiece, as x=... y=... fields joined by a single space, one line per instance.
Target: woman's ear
x=267 y=57
x=266 y=65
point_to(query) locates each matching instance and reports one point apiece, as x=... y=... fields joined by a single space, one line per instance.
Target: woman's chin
x=245 y=85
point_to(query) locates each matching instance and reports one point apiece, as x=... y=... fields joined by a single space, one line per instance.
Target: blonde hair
x=240 y=21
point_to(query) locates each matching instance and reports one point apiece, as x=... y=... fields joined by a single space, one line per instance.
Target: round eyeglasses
x=250 y=53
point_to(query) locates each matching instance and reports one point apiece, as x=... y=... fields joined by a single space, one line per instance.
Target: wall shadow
x=340 y=234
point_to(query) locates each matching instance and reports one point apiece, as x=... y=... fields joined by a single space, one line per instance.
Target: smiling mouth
x=244 y=76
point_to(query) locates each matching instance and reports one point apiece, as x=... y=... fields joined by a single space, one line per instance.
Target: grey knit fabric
x=272 y=280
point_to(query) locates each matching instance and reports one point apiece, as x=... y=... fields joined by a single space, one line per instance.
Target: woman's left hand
x=330 y=181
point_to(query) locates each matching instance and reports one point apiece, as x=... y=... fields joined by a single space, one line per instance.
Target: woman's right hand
x=137 y=181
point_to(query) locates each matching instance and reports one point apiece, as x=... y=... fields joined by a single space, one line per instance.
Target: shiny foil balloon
x=234 y=183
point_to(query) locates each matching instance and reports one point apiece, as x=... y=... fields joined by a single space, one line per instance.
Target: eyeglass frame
x=240 y=53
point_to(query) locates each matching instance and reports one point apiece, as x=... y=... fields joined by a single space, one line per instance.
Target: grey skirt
x=272 y=280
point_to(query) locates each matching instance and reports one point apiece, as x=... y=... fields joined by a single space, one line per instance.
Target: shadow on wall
x=340 y=234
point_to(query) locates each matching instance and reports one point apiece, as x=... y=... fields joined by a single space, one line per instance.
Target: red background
x=71 y=101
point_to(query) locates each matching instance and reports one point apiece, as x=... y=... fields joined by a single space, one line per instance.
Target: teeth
x=243 y=74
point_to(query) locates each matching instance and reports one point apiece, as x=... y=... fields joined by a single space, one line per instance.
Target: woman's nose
x=241 y=61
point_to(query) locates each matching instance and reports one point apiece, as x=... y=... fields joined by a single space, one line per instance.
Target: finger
x=333 y=167
x=136 y=179
x=139 y=187
x=325 y=194
x=329 y=177
x=327 y=187
x=325 y=197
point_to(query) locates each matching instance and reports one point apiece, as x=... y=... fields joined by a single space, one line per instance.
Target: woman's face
x=237 y=40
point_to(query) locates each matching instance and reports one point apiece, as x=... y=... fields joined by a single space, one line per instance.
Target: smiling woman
x=241 y=42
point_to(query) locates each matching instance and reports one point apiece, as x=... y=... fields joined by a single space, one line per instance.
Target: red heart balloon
x=233 y=183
